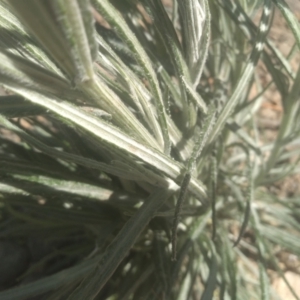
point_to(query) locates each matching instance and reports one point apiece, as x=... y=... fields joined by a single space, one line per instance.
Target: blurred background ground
x=270 y=113
x=269 y=118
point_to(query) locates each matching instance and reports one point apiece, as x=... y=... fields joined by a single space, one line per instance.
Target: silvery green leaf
x=113 y=17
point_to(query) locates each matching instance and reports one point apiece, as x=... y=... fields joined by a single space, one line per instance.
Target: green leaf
x=122 y=29
x=118 y=249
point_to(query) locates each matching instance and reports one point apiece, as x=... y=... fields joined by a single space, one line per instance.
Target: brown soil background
x=269 y=118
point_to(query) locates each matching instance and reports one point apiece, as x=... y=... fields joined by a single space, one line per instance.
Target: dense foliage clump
x=132 y=162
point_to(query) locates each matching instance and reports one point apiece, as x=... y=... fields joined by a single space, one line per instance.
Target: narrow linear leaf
x=138 y=90
x=201 y=142
x=169 y=37
x=247 y=73
x=37 y=17
x=50 y=283
x=69 y=14
x=120 y=246
x=264 y=283
x=211 y=280
x=109 y=134
x=213 y=194
x=15 y=106
x=113 y=17
x=87 y=162
x=290 y=18
x=244 y=224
